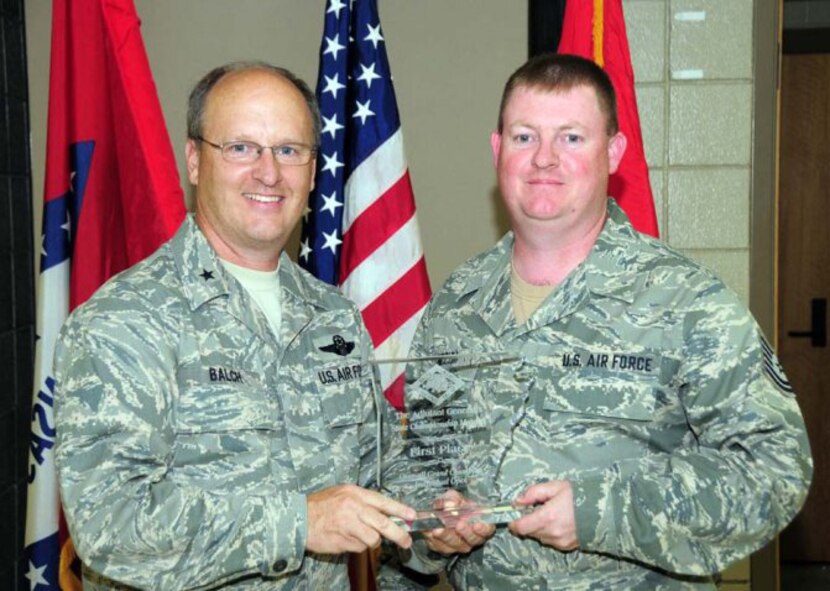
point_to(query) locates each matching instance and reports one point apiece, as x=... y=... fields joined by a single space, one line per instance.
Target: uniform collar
x=299 y=303
x=606 y=272
x=489 y=286
x=203 y=276
x=613 y=268
x=204 y=279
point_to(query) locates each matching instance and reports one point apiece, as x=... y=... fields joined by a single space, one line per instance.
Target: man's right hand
x=348 y=518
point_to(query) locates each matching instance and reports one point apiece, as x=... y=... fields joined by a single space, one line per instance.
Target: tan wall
x=693 y=62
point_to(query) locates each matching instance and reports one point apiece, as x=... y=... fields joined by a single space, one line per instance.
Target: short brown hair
x=556 y=72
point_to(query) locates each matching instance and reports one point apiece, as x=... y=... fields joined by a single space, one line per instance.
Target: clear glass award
x=443 y=443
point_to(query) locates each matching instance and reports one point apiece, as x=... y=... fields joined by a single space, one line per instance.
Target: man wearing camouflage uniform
x=213 y=405
x=631 y=400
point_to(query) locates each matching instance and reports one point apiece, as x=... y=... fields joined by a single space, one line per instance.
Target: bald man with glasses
x=200 y=444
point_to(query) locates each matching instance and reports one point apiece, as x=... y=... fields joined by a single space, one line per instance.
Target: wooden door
x=804 y=281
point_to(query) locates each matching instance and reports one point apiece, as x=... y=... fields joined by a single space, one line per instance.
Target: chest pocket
x=342 y=378
x=589 y=422
x=621 y=388
x=343 y=406
x=226 y=432
x=603 y=394
x=615 y=399
x=220 y=400
x=344 y=412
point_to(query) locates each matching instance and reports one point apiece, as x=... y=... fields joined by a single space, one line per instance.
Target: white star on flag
x=66 y=225
x=332 y=164
x=333 y=46
x=330 y=203
x=374 y=35
x=363 y=112
x=330 y=125
x=335 y=7
x=368 y=74
x=332 y=241
x=333 y=85
x=35 y=576
x=305 y=249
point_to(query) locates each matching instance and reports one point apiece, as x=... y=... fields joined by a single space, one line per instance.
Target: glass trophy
x=443 y=439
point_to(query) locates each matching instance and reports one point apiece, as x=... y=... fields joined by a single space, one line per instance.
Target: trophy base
x=449 y=518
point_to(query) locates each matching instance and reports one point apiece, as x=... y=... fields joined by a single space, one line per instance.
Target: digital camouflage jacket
x=644 y=382
x=189 y=435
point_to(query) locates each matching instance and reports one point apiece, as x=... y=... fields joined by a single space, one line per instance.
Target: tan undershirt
x=264 y=288
x=525 y=296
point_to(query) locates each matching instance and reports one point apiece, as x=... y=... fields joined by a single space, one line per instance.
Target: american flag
x=360 y=231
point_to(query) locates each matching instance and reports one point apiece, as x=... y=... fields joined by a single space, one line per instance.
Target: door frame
x=763 y=251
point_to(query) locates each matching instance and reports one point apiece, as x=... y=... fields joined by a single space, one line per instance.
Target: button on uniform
x=280 y=565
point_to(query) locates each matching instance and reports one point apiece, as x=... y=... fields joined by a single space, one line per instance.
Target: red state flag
x=101 y=90
x=111 y=197
x=595 y=29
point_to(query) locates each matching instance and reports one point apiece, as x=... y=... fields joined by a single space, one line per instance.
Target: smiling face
x=247 y=211
x=553 y=158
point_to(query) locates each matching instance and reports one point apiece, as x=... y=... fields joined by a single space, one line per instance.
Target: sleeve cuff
x=421 y=559
x=287 y=533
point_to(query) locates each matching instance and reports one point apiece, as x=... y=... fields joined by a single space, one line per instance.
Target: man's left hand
x=464 y=536
x=554 y=522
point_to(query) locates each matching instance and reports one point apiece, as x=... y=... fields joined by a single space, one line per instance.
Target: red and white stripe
x=382 y=265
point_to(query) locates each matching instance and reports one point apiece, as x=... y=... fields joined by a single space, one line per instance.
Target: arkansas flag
x=595 y=29
x=361 y=231
x=111 y=197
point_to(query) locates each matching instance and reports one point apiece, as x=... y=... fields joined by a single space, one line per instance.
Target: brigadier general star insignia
x=205 y=274
x=339 y=346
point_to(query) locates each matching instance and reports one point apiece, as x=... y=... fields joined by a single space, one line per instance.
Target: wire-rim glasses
x=246 y=152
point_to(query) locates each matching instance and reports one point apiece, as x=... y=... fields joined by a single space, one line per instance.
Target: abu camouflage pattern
x=189 y=435
x=644 y=382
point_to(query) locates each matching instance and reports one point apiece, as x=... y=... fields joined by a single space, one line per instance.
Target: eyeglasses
x=242 y=152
